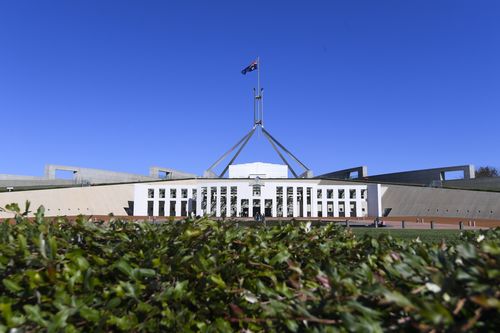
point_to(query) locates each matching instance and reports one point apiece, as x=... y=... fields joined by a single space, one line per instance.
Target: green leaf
x=34 y=314
x=11 y=285
x=60 y=319
x=89 y=314
x=13 y=207
x=291 y=325
x=218 y=281
x=280 y=257
x=124 y=267
x=397 y=298
x=139 y=273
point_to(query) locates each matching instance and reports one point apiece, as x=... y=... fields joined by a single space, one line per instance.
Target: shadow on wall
x=130 y=209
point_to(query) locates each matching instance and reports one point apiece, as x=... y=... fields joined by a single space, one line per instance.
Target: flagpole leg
x=258 y=75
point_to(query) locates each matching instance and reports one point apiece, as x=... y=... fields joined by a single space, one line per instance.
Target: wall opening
x=161 y=208
x=150 y=208
x=65 y=174
x=450 y=175
x=163 y=174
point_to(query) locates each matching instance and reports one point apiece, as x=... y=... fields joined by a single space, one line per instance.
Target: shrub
x=209 y=276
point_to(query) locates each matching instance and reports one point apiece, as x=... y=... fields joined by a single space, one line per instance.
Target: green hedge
x=213 y=276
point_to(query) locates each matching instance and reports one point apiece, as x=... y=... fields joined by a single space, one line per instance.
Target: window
x=256 y=207
x=161 y=209
x=319 y=194
x=341 y=209
x=223 y=201
x=309 y=201
x=244 y=208
x=341 y=194
x=352 y=194
x=352 y=207
x=329 y=209
x=184 y=193
x=234 y=200
x=289 y=202
x=268 y=207
x=183 y=208
x=204 y=199
x=329 y=194
x=363 y=194
x=300 y=200
x=162 y=193
x=151 y=193
x=279 y=201
x=256 y=190
x=172 y=209
x=213 y=200
x=173 y=193
x=150 y=208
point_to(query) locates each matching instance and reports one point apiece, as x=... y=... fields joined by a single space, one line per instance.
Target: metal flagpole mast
x=254 y=107
x=258 y=74
x=259 y=96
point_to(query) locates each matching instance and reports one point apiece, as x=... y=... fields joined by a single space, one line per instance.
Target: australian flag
x=250 y=68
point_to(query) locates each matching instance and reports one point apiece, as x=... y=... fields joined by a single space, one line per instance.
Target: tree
x=486 y=172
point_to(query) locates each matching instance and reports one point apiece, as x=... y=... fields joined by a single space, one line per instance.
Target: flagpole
x=259 y=95
x=258 y=73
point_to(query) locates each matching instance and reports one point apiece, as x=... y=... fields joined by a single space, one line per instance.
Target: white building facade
x=247 y=198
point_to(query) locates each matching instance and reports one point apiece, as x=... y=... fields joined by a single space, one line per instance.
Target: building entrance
x=268 y=208
x=256 y=207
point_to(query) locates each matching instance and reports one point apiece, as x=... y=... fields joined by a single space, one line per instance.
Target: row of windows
x=256 y=192
x=173 y=193
x=267 y=207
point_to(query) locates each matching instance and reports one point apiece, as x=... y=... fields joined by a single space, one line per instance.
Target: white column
x=336 y=202
x=209 y=201
x=218 y=201
x=198 y=201
x=250 y=206
x=304 y=201
x=228 y=201
x=324 y=206
x=274 y=207
x=347 y=206
x=314 y=202
x=167 y=206
x=359 y=212
x=285 y=201
x=177 y=205
x=295 y=213
x=238 y=203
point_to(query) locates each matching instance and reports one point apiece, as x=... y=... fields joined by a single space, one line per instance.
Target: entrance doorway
x=256 y=207
x=268 y=208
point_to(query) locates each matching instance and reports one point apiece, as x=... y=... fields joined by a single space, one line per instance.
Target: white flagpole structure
x=258 y=121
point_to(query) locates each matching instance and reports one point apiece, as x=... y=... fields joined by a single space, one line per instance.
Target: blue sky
x=124 y=85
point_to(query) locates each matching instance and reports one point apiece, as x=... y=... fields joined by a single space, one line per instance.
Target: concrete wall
x=93 y=200
x=423 y=177
x=94 y=176
x=362 y=172
x=158 y=172
x=426 y=201
x=17 y=184
x=258 y=169
x=488 y=184
x=374 y=200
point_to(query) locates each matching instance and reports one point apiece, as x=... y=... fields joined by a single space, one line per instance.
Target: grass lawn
x=408 y=234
